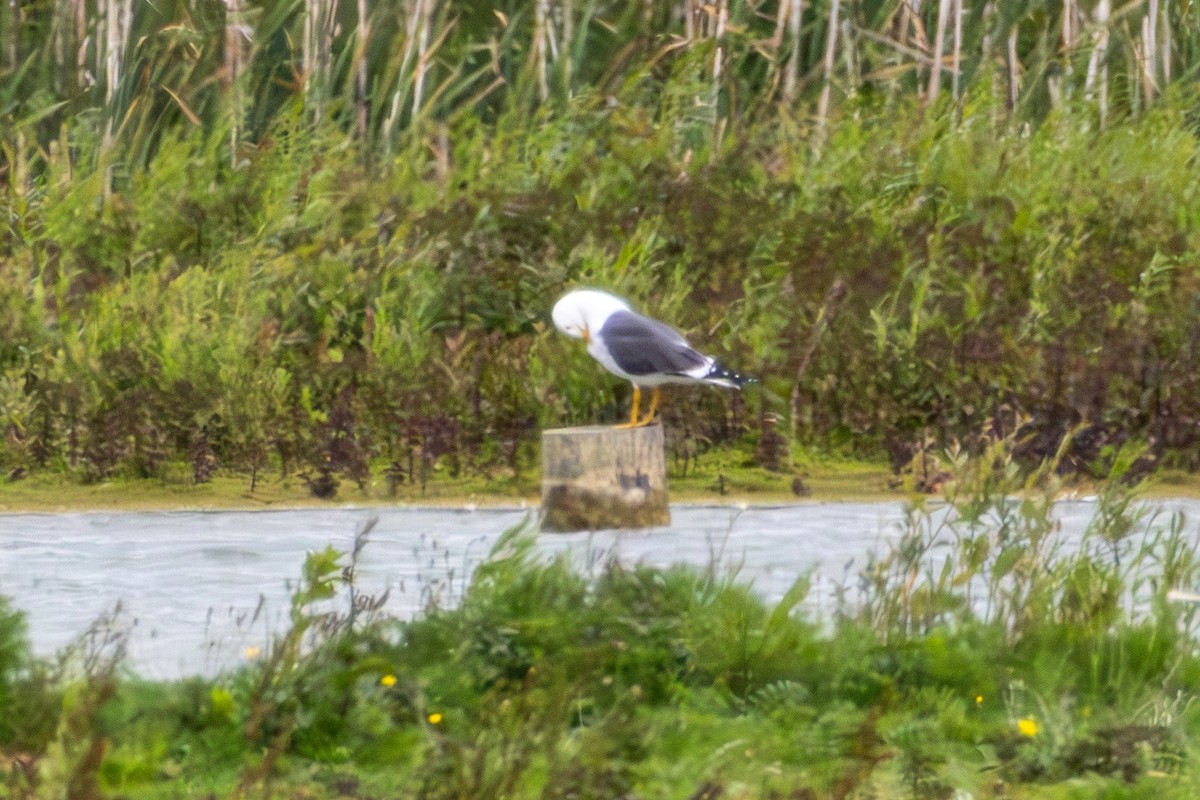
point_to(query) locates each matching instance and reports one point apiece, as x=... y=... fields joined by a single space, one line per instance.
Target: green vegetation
x=983 y=652
x=319 y=240
x=721 y=474
x=268 y=245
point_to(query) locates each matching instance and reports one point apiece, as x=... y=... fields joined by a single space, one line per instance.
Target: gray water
x=199 y=591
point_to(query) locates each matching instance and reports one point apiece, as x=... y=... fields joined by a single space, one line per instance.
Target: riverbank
x=718 y=477
x=829 y=482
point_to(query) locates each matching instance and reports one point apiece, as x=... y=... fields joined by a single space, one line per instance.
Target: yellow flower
x=253 y=652
x=1027 y=727
x=388 y=680
x=435 y=718
x=978 y=699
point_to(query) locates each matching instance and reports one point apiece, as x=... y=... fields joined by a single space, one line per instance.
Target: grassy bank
x=314 y=237
x=726 y=476
x=722 y=476
x=928 y=280
x=981 y=653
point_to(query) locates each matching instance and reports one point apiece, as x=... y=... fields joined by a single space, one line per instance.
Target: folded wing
x=643 y=346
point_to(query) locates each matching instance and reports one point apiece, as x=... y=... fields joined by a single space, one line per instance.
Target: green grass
x=330 y=301
x=222 y=258
x=721 y=475
x=998 y=663
x=55 y=492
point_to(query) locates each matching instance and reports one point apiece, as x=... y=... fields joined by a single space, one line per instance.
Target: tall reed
x=375 y=71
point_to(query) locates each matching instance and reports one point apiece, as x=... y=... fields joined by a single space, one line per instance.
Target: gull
x=643 y=351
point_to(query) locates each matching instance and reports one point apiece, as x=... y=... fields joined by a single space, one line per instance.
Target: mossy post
x=603 y=477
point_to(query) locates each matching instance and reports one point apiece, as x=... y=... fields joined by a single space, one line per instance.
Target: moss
x=572 y=508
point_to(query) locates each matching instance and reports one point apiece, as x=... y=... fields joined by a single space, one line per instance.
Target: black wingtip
x=735 y=380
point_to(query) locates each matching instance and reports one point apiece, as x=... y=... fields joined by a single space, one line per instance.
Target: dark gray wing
x=644 y=346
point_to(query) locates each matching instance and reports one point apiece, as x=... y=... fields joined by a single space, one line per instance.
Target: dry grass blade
x=939 y=47
x=187 y=112
x=827 y=85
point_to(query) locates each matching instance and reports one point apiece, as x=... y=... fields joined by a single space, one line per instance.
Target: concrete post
x=603 y=477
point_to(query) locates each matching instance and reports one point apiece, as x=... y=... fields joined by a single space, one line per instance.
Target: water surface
x=197 y=589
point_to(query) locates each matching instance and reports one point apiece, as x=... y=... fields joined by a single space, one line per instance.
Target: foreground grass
x=981 y=655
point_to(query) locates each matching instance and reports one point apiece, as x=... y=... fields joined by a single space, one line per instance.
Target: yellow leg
x=633 y=413
x=646 y=420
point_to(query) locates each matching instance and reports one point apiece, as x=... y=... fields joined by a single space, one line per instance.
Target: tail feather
x=719 y=375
